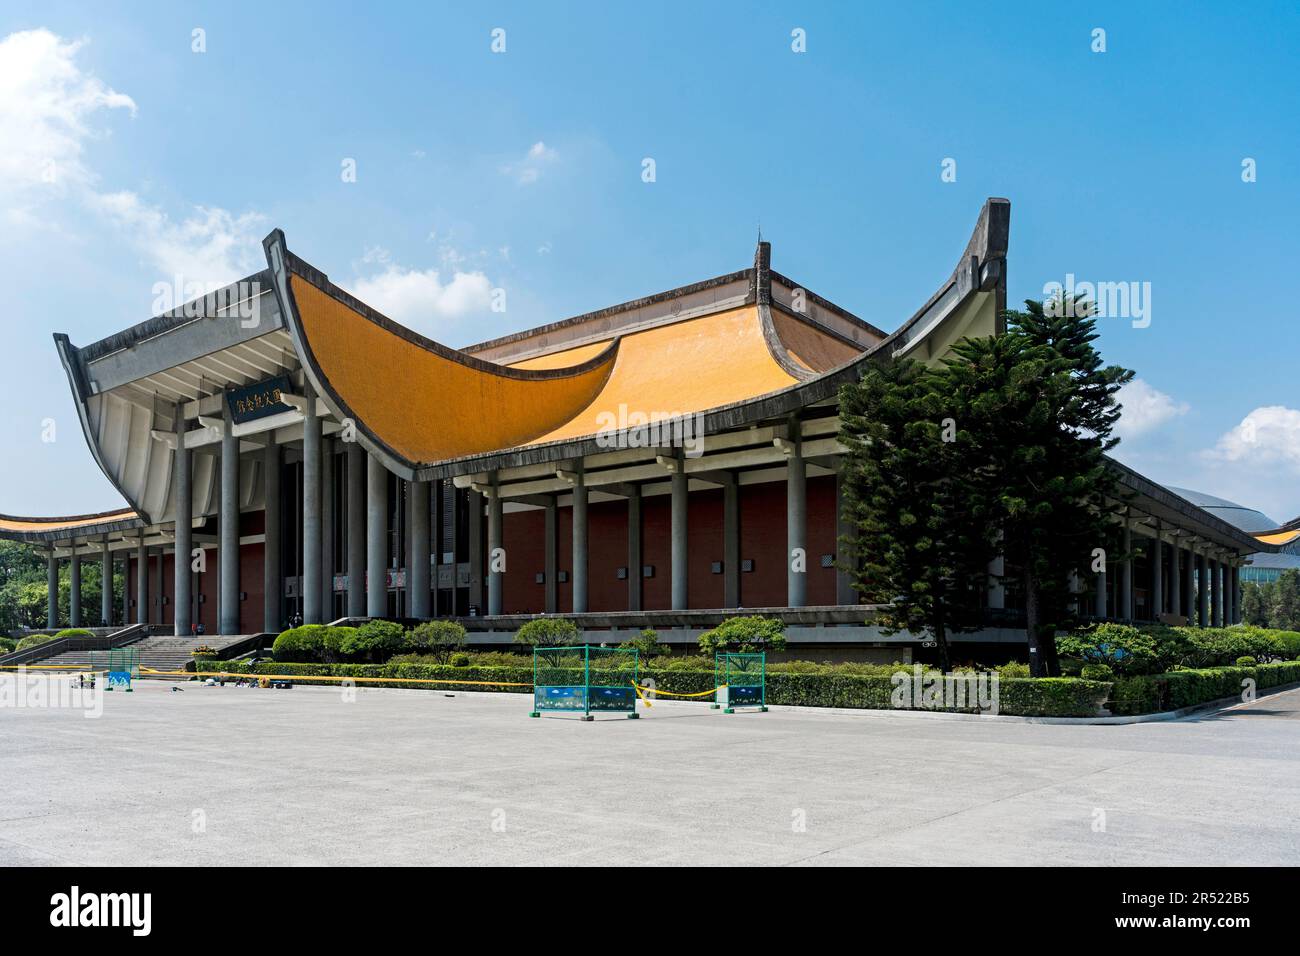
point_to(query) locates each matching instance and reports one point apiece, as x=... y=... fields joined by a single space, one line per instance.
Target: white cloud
x=529 y=169
x=47 y=105
x=1268 y=436
x=421 y=299
x=1145 y=408
x=211 y=247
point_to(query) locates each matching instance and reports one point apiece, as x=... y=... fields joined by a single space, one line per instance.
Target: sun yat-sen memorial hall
x=657 y=463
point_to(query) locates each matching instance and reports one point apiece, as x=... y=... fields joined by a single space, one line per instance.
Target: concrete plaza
x=215 y=776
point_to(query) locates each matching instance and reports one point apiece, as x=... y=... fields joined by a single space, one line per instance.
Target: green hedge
x=1059 y=696
x=1187 y=688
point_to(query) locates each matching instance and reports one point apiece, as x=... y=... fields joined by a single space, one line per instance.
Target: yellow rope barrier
x=656 y=691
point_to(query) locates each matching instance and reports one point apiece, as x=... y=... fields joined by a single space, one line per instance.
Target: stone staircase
x=163 y=652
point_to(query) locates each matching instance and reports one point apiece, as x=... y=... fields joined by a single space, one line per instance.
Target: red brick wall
x=251 y=582
x=762 y=539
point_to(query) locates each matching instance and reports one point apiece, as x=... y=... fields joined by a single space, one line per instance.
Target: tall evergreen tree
x=1040 y=405
x=919 y=549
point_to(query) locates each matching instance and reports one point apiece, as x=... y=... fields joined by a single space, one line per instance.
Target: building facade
x=661 y=463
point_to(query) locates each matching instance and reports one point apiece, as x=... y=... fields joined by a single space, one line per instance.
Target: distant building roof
x=1247 y=519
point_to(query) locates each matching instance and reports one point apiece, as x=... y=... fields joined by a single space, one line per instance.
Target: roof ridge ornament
x=763 y=271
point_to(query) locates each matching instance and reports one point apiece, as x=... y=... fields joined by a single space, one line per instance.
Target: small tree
x=439 y=639
x=746 y=635
x=547 y=632
x=375 y=640
x=646 y=644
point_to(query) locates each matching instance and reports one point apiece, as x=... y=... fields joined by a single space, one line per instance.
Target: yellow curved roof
x=429 y=403
x=426 y=403
x=685 y=367
x=1283 y=537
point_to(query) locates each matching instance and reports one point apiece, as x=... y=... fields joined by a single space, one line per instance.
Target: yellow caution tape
x=656 y=691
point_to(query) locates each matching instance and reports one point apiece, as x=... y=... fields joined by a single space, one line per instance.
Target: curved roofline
x=981 y=268
x=72 y=367
x=282 y=263
x=103 y=522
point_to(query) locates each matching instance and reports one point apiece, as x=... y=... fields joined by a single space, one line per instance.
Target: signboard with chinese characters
x=251 y=402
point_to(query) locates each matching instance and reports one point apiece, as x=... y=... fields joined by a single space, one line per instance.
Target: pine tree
x=918 y=548
x=1041 y=408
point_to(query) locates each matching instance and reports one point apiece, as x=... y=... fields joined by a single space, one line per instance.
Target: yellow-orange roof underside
x=432 y=407
x=1284 y=537
x=682 y=368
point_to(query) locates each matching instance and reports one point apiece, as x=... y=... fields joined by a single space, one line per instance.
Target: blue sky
x=522 y=171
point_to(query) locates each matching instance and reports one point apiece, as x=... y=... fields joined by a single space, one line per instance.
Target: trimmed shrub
x=438 y=639
x=300 y=644
x=1013 y=669
x=460 y=660
x=1123 y=648
x=746 y=635
x=547 y=632
x=375 y=640
x=1246 y=662
x=70 y=632
x=1097 y=672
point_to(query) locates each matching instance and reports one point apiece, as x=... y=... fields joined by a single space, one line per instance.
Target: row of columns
x=75 y=615
x=1207 y=588
x=679 y=498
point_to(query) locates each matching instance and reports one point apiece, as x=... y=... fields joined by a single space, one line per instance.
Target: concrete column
x=1202 y=591
x=141 y=581
x=496 y=554
x=997 y=590
x=228 y=527
x=376 y=538
x=312 y=613
x=417 y=569
x=474 y=523
x=731 y=543
x=183 y=498
x=1126 y=576
x=272 y=556
x=1227 y=594
x=1216 y=593
x=74 y=596
x=1103 y=594
x=680 y=556
x=1236 y=594
x=52 y=593
x=796 y=529
x=105 y=584
x=580 y=542
x=1189 y=598
x=356 y=531
x=1175 y=579
x=635 y=561
x=844 y=593
x=126 y=588
x=1157 y=576
x=327 y=519
x=551 y=555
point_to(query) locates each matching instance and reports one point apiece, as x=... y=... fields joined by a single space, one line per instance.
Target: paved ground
x=240 y=776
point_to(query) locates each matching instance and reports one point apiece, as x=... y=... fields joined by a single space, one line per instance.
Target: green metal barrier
x=587 y=680
x=121 y=664
x=741 y=681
